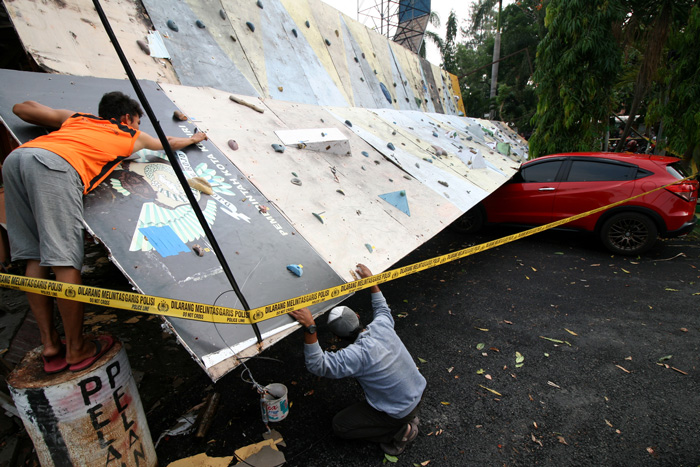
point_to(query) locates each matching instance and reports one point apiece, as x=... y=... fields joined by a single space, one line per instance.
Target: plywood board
x=412 y=157
x=196 y=56
x=301 y=12
x=68 y=38
x=222 y=31
x=294 y=72
x=352 y=218
x=258 y=246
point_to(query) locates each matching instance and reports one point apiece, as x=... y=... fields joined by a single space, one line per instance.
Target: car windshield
x=676 y=170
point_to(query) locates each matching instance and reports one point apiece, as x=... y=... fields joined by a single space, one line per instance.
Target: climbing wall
x=329 y=145
x=143 y=200
x=300 y=51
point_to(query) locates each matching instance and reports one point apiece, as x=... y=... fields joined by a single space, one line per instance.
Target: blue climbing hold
x=278 y=147
x=250 y=25
x=296 y=269
x=222 y=13
x=200 y=24
x=294 y=31
x=308 y=25
x=385 y=91
x=171 y=24
x=397 y=199
x=348 y=123
x=328 y=42
x=365 y=153
x=391 y=146
x=259 y=4
x=435 y=134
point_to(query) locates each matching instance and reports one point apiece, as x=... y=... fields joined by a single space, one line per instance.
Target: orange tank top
x=94 y=146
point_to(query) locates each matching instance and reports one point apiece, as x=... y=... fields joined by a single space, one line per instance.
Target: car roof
x=617 y=156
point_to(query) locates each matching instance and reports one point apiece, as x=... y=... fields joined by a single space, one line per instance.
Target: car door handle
x=547 y=189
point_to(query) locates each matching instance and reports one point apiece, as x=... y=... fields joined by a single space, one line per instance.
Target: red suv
x=555 y=187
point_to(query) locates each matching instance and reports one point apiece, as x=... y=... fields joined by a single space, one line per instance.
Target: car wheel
x=470 y=222
x=629 y=233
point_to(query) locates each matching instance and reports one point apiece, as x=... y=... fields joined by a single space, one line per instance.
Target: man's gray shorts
x=44 y=205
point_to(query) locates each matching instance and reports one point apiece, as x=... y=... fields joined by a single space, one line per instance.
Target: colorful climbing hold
x=365 y=153
x=328 y=42
x=200 y=24
x=348 y=123
x=233 y=144
x=397 y=199
x=259 y=4
x=222 y=13
x=308 y=25
x=369 y=247
x=278 y=147
x=391 y=146
x=294 y=31
x=443 y=183
x=357 y=60
x=296 y=181
x=144 y=46
x=171 y=24
x=295 y=174
x=435 y=134
x=296 y=269
x=250 y=25
x=318 y=216
x=341 y=192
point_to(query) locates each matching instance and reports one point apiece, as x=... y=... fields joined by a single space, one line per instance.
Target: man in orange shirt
x=45 y=180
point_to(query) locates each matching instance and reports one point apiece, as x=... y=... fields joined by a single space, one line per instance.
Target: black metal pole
x=174 y=162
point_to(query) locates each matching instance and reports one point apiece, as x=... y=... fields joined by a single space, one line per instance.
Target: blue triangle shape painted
x=398 y=199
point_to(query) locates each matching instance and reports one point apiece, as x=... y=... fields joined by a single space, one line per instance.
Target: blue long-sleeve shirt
x=378 y=360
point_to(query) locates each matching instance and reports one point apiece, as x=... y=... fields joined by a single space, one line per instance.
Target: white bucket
x=273 y=403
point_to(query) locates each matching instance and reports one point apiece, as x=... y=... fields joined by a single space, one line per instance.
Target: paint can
x=89 y=418
x=273 y=403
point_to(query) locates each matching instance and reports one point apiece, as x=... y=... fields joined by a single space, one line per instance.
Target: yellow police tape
x=218 y=314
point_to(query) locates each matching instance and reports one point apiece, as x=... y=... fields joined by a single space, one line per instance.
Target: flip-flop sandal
x=55 y=364
x=102 y=345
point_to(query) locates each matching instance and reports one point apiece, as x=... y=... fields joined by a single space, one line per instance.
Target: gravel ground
x=608 y=373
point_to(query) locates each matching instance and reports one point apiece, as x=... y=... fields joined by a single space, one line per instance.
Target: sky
x=442 y=7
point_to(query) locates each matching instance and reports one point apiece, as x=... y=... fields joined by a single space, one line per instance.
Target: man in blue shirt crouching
x=379 y=361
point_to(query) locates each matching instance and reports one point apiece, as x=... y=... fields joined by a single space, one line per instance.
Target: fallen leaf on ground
x=536 y=440
x=554 y=385
x=445 y=403
x=628 y=358
x=667 y=357
x=507 y=322
x=570 y=332
x=481 y=329
x=623 y=369
x=422 y=360
x=392 y=459
x=562 y=440
x=480 y=371
x=491 y=390
x=480 y=346
x=608 y=423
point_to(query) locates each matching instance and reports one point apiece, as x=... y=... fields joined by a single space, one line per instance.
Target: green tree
x=679 y=108
x=576 y=68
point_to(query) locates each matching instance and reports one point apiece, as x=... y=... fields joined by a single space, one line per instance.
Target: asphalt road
x=609 y=373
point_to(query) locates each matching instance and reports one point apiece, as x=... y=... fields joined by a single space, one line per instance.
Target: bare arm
x=146 y=141
x=39 y=114
x=304 y=317
x=363 y=271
